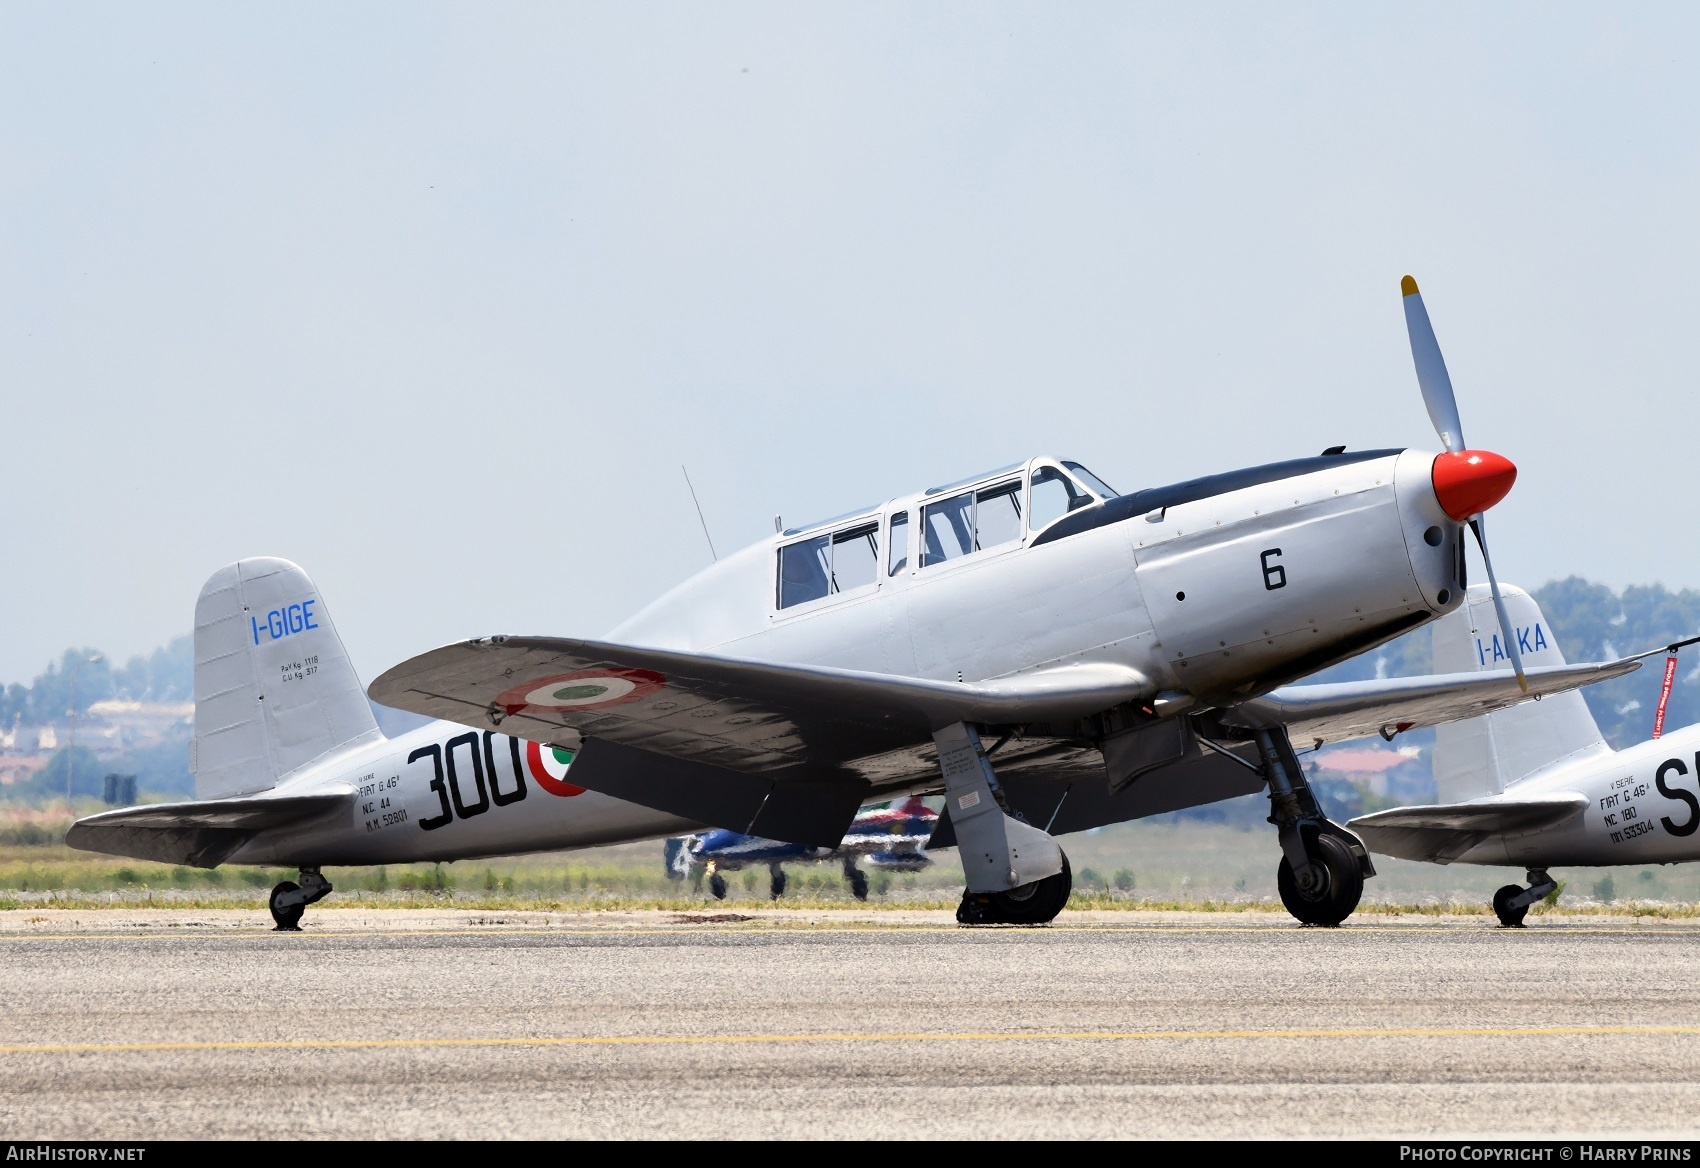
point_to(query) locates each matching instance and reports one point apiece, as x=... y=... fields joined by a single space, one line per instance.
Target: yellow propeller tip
x=1408 y=286
x=1522 y=683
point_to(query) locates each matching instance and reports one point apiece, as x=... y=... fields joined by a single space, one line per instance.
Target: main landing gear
x=289 y=900
x=1016 y=874
x=776 y=882
x=857 y=878
x=1323 y=866
x=1511 y=903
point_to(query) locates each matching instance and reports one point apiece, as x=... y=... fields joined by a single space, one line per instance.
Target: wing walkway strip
x=759 y=1039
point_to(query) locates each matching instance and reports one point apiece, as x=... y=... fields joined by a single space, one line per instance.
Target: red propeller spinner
x=1468 y=482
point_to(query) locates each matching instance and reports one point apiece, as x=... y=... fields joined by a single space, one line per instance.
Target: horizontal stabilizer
x=1442 y=833
x=1390 y=706
x=202 y=834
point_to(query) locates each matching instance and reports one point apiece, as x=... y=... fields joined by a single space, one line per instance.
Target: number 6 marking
x=1274 y=575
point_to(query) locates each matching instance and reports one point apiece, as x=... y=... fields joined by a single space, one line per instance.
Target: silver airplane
x=1115 y=655
x=1536 y=787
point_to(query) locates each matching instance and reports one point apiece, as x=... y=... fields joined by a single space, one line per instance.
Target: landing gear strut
x=1323 y=866
x=858 y=879
x=289 y=900
x=1016 y=874
x=1511 y=903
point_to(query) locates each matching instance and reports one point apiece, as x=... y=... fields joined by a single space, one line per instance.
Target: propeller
x=1467 y=482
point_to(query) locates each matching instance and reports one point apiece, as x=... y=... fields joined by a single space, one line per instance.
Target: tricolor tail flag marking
x=549 y=765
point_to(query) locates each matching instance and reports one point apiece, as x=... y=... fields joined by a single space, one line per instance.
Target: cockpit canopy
x=1000 y=509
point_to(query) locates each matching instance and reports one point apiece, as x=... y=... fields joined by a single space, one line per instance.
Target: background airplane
x=1536 y=786
x=887 y=837
x=1119 y=655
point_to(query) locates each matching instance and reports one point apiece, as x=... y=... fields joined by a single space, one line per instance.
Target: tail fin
x=1483 y=756
x=274 y=689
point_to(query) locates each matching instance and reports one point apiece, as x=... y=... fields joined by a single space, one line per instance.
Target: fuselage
x=1643 y=808
x=444 y=792
x=1220 y=588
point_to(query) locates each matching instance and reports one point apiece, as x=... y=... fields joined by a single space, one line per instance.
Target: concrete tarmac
x=121 y=1025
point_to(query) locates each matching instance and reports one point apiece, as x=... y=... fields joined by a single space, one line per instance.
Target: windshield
x=1104 y=490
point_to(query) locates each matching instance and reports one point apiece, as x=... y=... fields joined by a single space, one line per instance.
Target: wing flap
x=202 y=834
x=1390 y=706
x=1440 y=834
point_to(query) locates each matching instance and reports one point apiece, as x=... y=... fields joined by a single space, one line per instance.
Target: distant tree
x=49 y=782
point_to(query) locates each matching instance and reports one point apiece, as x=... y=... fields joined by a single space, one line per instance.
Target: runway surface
x=129 y=1026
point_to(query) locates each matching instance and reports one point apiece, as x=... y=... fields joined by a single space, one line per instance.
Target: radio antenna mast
x=700 y=519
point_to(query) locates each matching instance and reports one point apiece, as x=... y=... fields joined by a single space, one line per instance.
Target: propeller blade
x=1431 y=371
x=1505 y=629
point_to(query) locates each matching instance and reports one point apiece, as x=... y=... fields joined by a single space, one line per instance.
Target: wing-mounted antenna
x=700 y=518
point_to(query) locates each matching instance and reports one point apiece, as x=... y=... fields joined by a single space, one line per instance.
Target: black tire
x=1037 y=903
x=778 y=885
x=1510 y=918
x=717 y=885
x=1335 y=897
x=859 y=884
x=288 y=917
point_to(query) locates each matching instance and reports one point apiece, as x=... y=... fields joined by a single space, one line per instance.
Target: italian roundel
x=588 y=689
x=548 y=765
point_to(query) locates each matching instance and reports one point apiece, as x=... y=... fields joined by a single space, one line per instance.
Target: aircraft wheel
x=1510 y=918
x=717 y=885
x=288 y=917
x=1031 y=904
x=778 y=885
x=859 y=884
x=1334 y=896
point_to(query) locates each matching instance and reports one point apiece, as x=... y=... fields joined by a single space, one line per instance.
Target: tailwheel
x=1510 y=915
x=777 y=885
x=1037 y=903
x=717 y=885
x=1334 y=887
x=858 y=884
x=287 y=915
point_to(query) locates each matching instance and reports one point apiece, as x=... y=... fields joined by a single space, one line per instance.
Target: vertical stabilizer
x=274 y=689
x=1483 y=756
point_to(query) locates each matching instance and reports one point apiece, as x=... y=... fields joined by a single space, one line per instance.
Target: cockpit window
x=1054 y=495
x=947 y=529
x=855 y=557
x=971 y=522
x=804 y=570
x=997 y=515
x=842 y=561
x=1105 y=490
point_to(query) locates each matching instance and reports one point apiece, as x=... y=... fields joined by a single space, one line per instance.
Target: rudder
x=274 y=689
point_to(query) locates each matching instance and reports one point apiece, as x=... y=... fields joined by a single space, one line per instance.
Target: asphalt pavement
x=122 y=1025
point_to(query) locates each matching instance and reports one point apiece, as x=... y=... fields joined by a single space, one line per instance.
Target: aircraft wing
x=201 y=834
x=782 y=751
x=1442 y=833
x=1390 y=706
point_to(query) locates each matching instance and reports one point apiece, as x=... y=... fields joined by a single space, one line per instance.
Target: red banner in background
x=1664 y=695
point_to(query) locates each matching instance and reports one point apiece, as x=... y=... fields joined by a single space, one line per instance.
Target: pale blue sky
x=434 y=300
